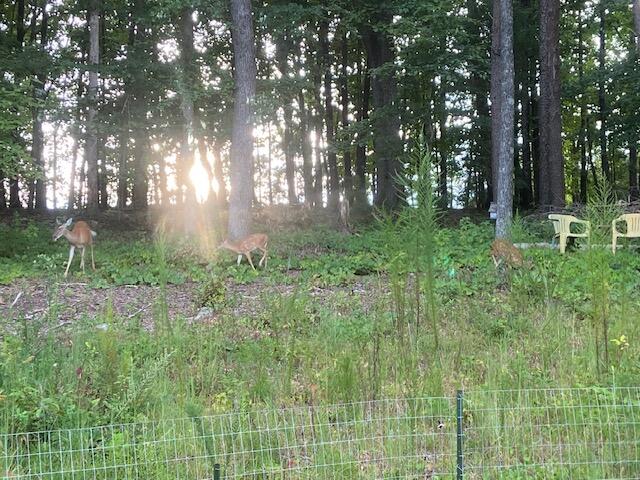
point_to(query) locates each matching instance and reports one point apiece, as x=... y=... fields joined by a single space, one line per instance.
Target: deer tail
x=93 y=234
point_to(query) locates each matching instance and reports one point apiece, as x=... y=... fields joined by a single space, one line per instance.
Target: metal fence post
x=459 y=435
x=216 y=471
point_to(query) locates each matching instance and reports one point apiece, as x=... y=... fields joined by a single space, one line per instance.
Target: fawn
x=246 y=245
x=507 y=252
x=79 y=237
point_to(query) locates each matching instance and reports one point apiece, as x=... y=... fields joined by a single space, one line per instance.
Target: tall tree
x=283 y=48
x=333 y=199
x=37 y=146
x=387 y=146
x=344 y=100
x=91 y=144
x=602 y=96
x=551 y=168
x=636 y=22
x=242 y=141
x=138 y=107
x=360 y=194
x=503 y=112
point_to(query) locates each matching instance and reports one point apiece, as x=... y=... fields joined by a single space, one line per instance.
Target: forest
x=441 y=198
x=118 y=104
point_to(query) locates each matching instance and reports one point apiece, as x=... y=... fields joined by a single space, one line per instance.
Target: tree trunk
x=602 y=99
x=54 y=167
x=37 y=150
x=582 y=141
x=187 y=85
x=636 y=22
x=502 y=90
x=333 y=196
x=442 y=143
x=269 y=165
x=386 y=120
x=14 y=185
x=283 y=48
x=551 y=161
x=91 y=146
x=633 y=172
x=361 y=148
x=242 y=139
x=318 y=128
x=307 y=155
x=526 y=144
x=344 y=97
x=123 y=171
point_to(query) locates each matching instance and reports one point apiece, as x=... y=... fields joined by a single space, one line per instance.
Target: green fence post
x=216 y=471
x=459 y=435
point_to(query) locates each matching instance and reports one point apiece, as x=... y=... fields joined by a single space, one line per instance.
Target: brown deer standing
x=79 y=237
x=244 y=246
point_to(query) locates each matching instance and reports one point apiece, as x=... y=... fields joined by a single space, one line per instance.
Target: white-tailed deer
x=79 y=237
x=244 y=246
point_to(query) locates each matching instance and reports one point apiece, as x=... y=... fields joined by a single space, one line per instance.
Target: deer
x=507 y=252
x=79 y=237
x=246 y=245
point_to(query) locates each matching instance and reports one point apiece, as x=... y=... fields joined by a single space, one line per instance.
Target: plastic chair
x=562 y=227
x=633 y=228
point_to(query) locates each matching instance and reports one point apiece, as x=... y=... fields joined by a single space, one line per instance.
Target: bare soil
x=34 y=299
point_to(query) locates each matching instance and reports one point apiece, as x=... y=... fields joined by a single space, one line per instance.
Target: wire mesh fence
x=591 y=433
x=510 y=434
x=395 y=438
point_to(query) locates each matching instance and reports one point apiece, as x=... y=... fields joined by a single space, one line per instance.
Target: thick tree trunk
x=602 y=98
x=502 y=93
x=386 y=119
x=91 y=146
x=551 y=160
x=360 y=195
x=333 y=196
x=242 y=139
x=344 y=98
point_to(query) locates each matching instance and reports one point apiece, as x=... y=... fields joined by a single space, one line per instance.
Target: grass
x=527 y=328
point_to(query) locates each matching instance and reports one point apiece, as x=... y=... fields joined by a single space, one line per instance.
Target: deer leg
x=93 y=263
x=239 y=258
x=248 y=255
x=264 y=258
x=82 y=259
x=71 y=251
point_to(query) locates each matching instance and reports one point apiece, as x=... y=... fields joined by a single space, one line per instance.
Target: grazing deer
x=244 y=246
x=507 y=252
x=79 y=237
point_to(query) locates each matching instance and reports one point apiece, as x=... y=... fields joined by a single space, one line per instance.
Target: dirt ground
x=34 y=299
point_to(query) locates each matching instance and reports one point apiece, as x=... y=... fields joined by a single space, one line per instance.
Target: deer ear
x=68 y=222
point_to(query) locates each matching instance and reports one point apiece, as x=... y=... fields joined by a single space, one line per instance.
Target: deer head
x=59 y=231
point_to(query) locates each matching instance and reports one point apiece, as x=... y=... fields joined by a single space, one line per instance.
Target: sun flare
x=200 y=179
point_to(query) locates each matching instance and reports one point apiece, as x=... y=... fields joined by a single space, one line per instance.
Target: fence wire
x=509 y=434
x=395 y=438
x=591 y=433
